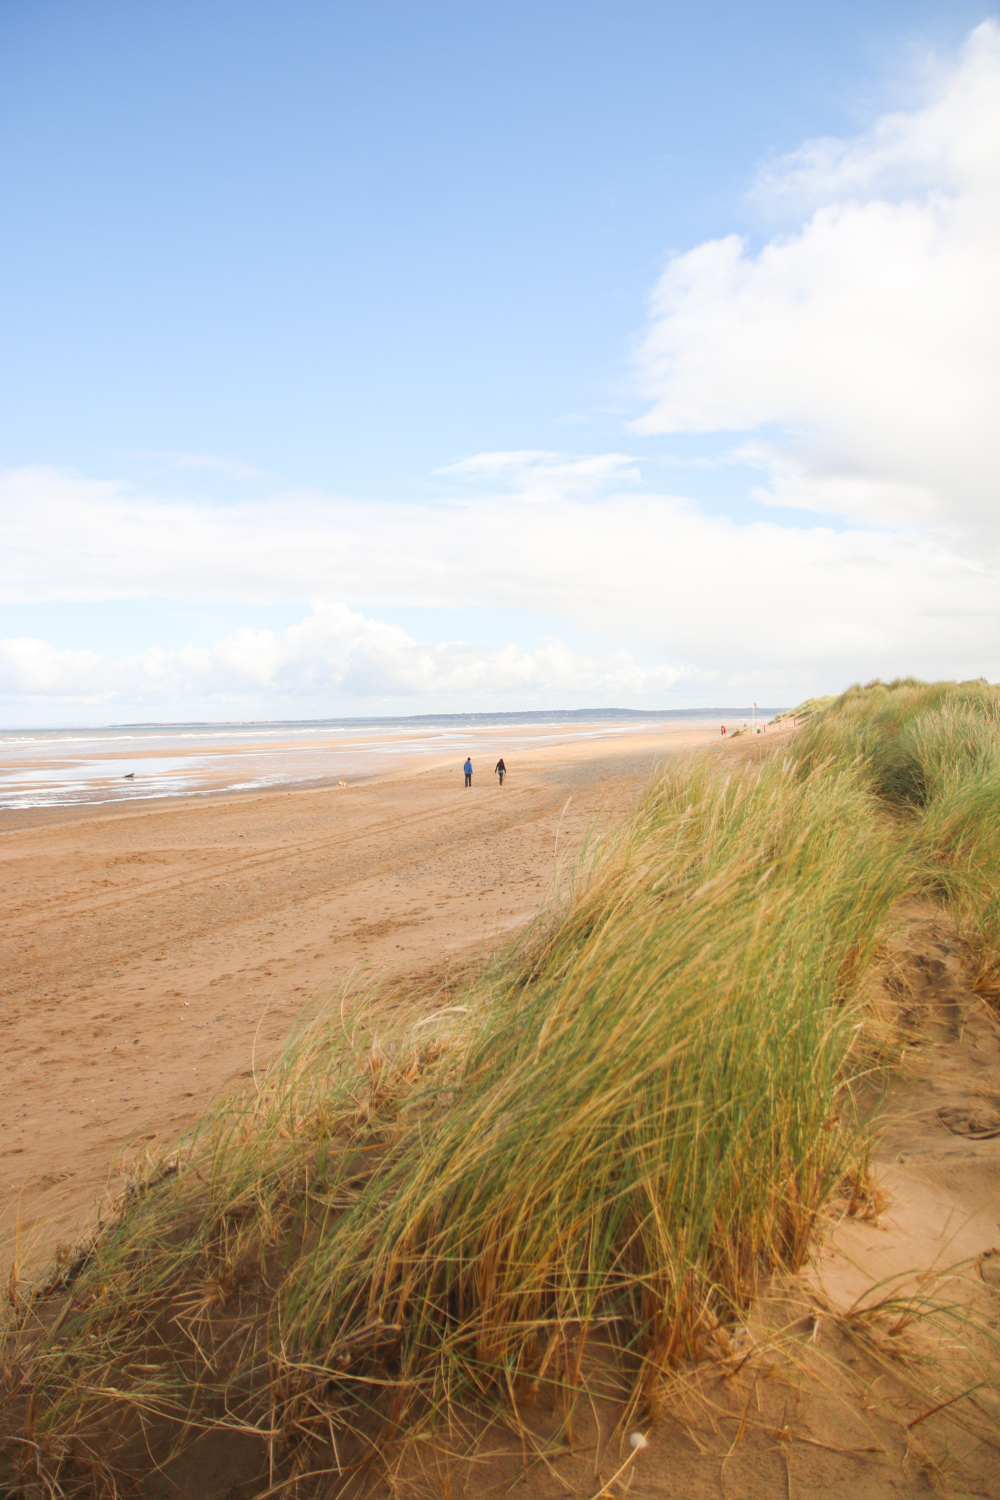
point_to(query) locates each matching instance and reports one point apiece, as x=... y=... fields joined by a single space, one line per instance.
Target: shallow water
x=63 y=767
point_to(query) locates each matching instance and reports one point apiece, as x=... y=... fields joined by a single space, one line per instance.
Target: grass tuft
x=931 y=752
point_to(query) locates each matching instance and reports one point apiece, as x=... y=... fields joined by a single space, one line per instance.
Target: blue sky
x=274 y=279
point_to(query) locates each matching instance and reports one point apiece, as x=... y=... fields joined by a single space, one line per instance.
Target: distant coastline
x=386 y=721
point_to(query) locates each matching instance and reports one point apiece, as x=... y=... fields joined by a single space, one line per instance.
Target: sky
x=430 y=357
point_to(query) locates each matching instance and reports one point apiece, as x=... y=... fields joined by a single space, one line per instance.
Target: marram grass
x=619 y=1129
x=931 y=751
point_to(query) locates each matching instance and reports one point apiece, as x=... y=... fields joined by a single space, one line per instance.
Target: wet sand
x=88 y=768
x=148 y=952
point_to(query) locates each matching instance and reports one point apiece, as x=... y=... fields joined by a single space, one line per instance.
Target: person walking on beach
x=468 y=771
x=500 y=770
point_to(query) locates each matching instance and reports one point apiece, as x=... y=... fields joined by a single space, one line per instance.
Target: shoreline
x=105 y=771
x=500 y=718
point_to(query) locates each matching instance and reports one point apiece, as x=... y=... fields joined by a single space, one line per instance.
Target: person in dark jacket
x=500 y=770
x=468 y=771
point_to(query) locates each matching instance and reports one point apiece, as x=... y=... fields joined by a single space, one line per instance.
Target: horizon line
x=713 y=710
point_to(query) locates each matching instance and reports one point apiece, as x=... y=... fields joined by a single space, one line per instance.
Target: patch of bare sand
x=149 y=954
x=937 y=1158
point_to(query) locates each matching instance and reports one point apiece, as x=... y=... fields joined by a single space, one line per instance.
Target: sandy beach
x=154 y=953
x=151 y=952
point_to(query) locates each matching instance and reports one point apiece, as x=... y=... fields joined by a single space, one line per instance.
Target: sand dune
x=149 y=955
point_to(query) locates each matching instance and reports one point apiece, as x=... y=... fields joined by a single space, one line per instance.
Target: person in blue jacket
x=468 y=772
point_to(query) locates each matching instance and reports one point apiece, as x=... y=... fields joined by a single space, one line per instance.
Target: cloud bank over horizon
x=850 y=366
x=334 y=655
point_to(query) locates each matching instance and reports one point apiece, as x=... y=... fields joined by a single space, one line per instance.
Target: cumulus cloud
x=778 y=607
x=869 y=337
x=334 y=655
x=853 y=358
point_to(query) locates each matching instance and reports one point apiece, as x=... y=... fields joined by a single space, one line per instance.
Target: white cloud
x=718 y=605
x=334 y=655
x=870 y=336
x=857 y=357
x=948 y=144
x=541 y=476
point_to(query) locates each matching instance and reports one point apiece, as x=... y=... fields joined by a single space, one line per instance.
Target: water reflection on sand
x=52 y=768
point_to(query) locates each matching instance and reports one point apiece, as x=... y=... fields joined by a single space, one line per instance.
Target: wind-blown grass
x=932 y=752
x=625 y=1124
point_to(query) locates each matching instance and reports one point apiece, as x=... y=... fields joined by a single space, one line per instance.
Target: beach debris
x=638 y=1440
x=129 y=776
x=341 y=783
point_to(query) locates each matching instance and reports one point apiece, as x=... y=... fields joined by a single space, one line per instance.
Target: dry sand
x=148 y=953
x=142 y=947
x=937 y=1153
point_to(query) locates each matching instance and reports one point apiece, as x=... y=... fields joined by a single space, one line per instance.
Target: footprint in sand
x=978 y=1121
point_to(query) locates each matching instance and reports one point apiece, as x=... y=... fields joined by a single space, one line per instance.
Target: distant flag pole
x=755 y=716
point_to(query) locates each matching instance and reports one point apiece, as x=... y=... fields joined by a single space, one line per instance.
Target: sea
x=138 y=762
